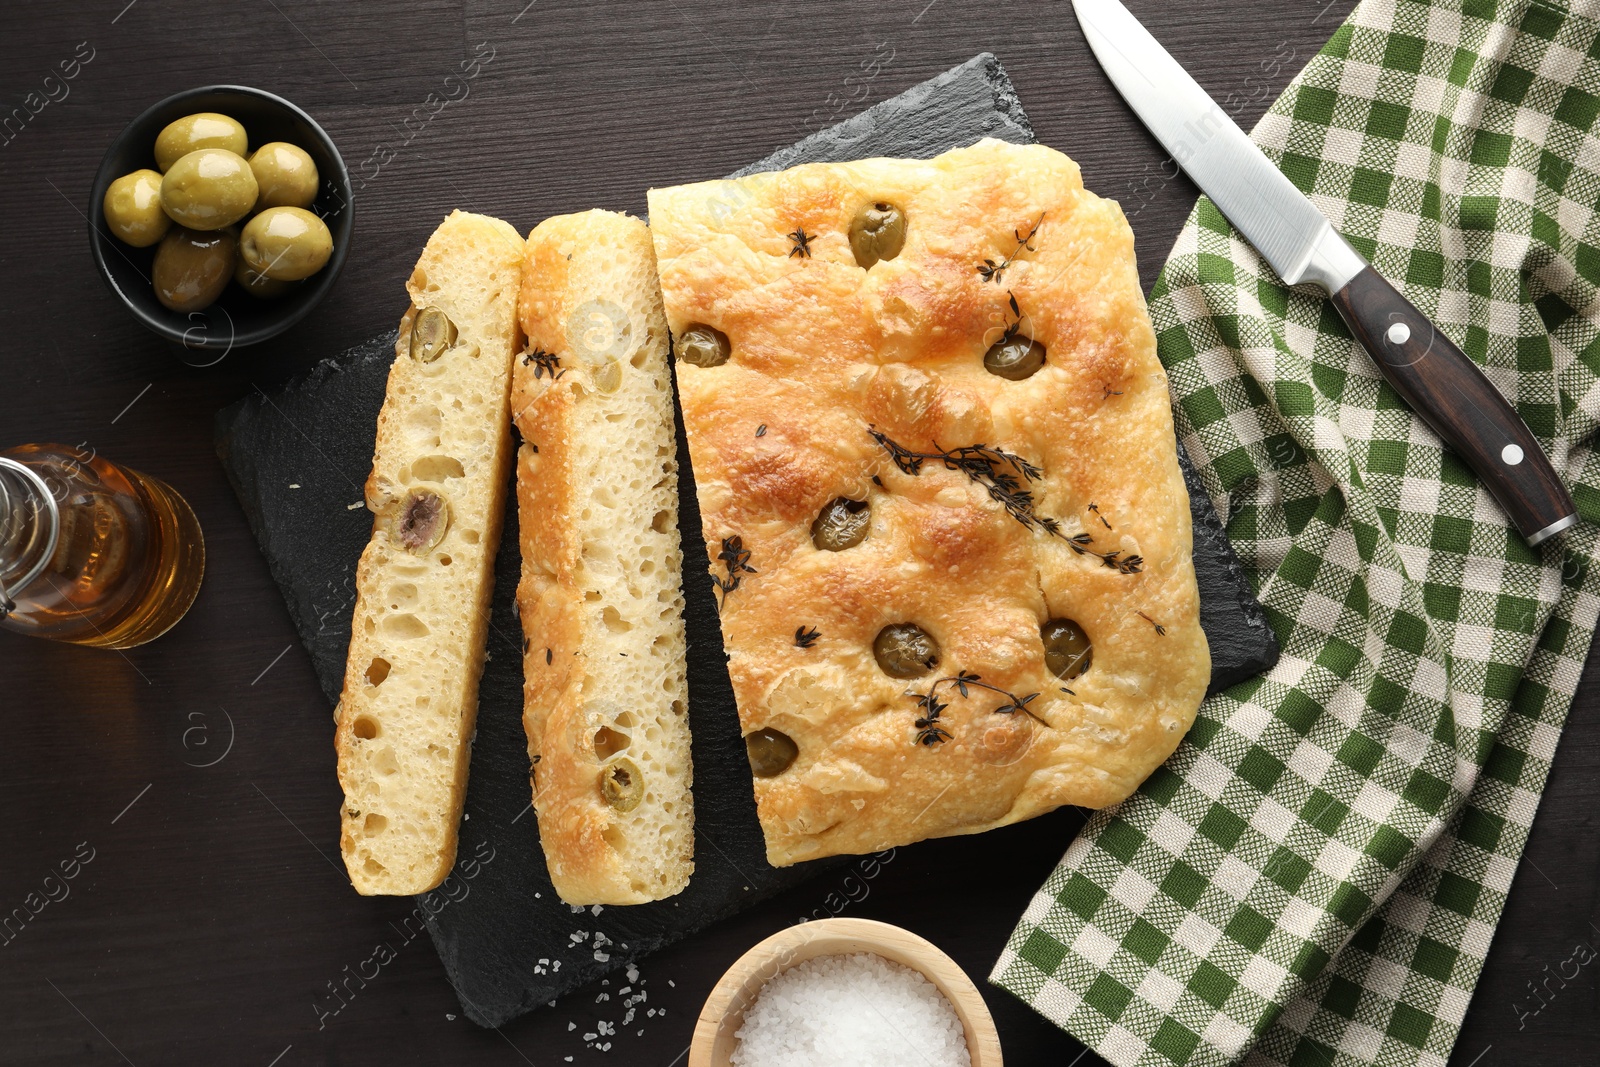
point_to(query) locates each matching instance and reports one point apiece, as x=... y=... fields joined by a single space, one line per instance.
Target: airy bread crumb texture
x=601 y=593
x=410 y=697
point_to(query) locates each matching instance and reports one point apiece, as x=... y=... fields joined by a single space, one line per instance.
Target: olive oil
x=91 y=552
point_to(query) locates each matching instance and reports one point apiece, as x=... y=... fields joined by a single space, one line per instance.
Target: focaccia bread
x=917 y=516
x=440 y=472
x=601 y=596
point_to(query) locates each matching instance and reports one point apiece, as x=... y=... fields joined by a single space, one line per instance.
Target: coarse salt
x=849 y=1010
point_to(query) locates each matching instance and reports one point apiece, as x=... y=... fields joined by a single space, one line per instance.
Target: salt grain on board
x=850 y=1010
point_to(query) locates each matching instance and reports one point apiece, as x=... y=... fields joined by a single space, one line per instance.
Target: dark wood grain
x=215 y=910
x=1451 y=393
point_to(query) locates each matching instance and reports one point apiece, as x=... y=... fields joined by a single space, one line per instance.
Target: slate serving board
x=298 y=458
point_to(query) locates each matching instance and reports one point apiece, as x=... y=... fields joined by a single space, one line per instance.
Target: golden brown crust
x=822 y=351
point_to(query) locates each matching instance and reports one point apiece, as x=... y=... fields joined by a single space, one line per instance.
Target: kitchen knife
x=1438 y=380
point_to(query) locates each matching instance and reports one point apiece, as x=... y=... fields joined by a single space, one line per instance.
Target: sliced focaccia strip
x=939 y=490
x=440 y=473
x=601 y=599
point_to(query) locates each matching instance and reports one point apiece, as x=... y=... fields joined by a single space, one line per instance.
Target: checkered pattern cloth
x=1315 y=877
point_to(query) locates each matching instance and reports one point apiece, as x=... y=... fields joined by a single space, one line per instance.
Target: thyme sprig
x=1096 y=509
x=736 y=558
x=1161 y=631
x=802 y=243
x=992 y=271
x=543 y=362
x=1011 y=327
x=929 y=732
x=1080 y=543
x=805 y=637
x=1003 y=473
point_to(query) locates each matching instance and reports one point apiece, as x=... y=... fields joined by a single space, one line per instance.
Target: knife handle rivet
x=1511 y=455
x=1399 y=334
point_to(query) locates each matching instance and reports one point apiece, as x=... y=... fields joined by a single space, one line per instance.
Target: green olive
x=704 y=346
x=192 y=267
x=1014 y=358
x=432 y=334
x=622 y=784
x=770 y=751
x=905 y=650
x=286 y=243
x=841 y=525
x=208 y=189
x=286 y=175
x=133 y=209
x=877 y=232
x=259 y=285
x=1067 y=651
x=194 y=132
x=420 y=521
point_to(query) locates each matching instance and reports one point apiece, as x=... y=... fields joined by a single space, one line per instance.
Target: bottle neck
x=30 y=525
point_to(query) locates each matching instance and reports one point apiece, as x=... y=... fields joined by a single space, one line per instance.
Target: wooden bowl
x=724 y=1009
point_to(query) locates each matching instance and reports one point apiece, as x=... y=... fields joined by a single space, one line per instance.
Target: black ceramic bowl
x=236 y=319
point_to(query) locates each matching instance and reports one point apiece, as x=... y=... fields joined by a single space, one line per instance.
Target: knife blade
x=1439 y=382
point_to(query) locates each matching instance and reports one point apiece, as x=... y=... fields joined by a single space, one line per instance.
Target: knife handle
x=1451 y=394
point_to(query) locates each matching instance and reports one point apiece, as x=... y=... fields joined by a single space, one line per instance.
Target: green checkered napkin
x=1314 y=878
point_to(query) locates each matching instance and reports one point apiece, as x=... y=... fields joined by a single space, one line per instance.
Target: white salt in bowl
x=723 y=1014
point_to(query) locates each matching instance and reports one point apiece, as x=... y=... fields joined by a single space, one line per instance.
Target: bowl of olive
x=221 y=216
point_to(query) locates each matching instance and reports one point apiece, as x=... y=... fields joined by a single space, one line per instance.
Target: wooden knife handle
x=1450 y=393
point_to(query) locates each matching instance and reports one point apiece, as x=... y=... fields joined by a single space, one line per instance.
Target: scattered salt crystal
x=671 y=983
x=571 y=1026
x=595 y=910
x=847 y=1010
x=590 y=1036
x=449 y=1017
x=633 y=973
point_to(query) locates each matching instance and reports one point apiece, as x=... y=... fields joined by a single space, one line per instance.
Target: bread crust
x=823 y=351
x=410 y=698
x=591 y=307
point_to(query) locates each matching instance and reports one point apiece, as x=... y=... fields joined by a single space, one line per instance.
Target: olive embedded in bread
x=703 y=346
x=905 y=650
x=878 y=232
x=286 y=243
x=842 y=524
x=622 y=784
x=1067 y=651
x=208 y=189
x=205 y=129
x=192 y=267
x=286 y=175
x=421 y=520
x=132 y=208
x=432 y=334
x=770 y=752
x=1014 y=358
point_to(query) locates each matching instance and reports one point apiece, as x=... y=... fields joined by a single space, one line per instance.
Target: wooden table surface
x=198 y=771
